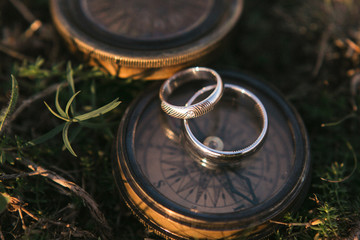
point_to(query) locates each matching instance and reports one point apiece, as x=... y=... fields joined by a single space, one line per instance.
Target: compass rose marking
x=203 y=184
x=159 y=184
x=109 y=20
x=171 y=150
x=249 y=186
x=224 y=181
x=252 y=174
x=189 y=184
x=239 y=207
x=176 y=164
x=177 y=175
x=215 y=193
x=189 y=193
x=233 y=190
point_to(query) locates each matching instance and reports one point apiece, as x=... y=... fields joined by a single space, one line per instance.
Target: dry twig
x=4 y=177
x=49 y=90
x=16 y=205
x=90 y=203
x=355 y=233
x=1 y=235
x=35 y=24
x=322 y=50
x=353 y=45
x=14 y=54
x=354 y=88
x=313 y=222
x=73 y=230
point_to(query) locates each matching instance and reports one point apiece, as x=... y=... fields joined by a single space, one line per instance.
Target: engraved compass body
x=178 y=197
x=149 y=39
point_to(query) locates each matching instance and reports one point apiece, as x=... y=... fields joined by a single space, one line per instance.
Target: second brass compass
x=149 y=39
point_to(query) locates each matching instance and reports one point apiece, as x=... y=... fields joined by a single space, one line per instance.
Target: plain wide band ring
x=194 y=110
x=219 y=154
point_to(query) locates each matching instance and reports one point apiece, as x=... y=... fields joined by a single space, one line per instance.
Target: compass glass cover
x=159 y=19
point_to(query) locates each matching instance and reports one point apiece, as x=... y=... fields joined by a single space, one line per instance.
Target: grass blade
x=66 y=138
x=68 y=105
x=43 y=138
x=12 y=103
x=353 y=170
x=4 y=201
x=100 y=111
x=57 y=104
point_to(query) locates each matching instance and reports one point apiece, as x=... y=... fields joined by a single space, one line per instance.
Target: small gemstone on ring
x=190 y=114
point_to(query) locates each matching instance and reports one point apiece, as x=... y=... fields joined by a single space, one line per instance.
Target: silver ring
x=195 y=110
x=219 y=154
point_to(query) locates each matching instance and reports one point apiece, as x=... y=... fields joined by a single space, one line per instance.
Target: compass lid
x=144 y=39
x=167 y=188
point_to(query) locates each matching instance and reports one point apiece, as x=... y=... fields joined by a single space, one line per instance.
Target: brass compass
x=149 y=39
x=175 y=195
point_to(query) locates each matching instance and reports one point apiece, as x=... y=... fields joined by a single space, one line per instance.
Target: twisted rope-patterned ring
x=194 y=110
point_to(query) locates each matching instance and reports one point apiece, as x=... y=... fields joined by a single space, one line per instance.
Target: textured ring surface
x=191 y=110
x=206 y=151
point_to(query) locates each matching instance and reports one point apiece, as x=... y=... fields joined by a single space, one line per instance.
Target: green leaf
x=39 y=62
x=5 y=157
x=69 y=77
x=70 y=102
x=12 y=103
x=66 y=138
x=100 y=111
x=74 y=134
x=101 y=125
x=2 y=157
x=55 y=114
x=57 y=104
x=43 y=138
x=4 y=201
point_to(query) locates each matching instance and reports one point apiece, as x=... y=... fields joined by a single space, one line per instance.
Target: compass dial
x=147 y=20
x=181 y=179
x=170 y=189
